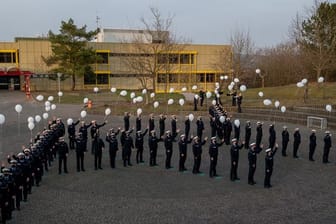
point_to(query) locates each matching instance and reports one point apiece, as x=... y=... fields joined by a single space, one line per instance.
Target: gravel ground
x=303 y=191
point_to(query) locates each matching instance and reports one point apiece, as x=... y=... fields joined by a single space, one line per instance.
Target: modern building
x=185 y=65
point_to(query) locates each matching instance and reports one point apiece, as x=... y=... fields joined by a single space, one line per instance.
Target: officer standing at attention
x=327 y=146
x=111 y=138
x=252 y=158
x=213 y=153
x=127 y=149
x=168 y=143
x=72 y=134
x=63 y=150
x=139 y=145
x=272 y=136
x=187 y=126
x=235 y=147
x=173 y=125
x=151 y=123
x=297 y=142
x=183 y=145
x=197 y=151
x=153 y=146
x=259 y=134
x=248 y=132
x=312 y=145
x=138 y=123
x=126 y=121
x=98 y=147
x=162 y=124
x=80 y=151
x=285 y=140
x=200 y=127
x=269 y=161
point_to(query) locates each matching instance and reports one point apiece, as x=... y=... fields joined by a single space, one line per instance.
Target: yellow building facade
x=193 y=64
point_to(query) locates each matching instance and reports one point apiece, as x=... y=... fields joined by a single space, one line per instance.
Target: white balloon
x=69 y=121
x=47 y=108
x=170 y=101
x=320 y=79
x=236 y=123
x=242 y=88
x=328 y=107
x=95 y=89
x=132 y=95
x=181 y=102
x=184 y=89
x=18 y=108
x=214 y=102
x=283 y=109
x=221 y=77
x=191 y=117
x=40 y=98
x=304 y=81
x=226 y=77
x=123 y=93
x=267 y=102
x=171 y=90
x=222 y=119
x=107 y=111
x=194 y=87
x=31 y=125
x=139 y=99
x=30 y=120
x=232 y=83
x=156 y=104
x=139 y=111
x=47 y=104
x=230 y=87
x=277 y=103
x=113 y=89
x=144 y=91
x=2 y=119
x=236 y=80
x=261 y=94
x=196 y=96
x=217 y=84
x=50 y=98
x=208 y=94
x=85 y=100
x=299 y=84
x=38 y=118
x=258 y=71
x=60 y=94
x=134 y=100
x=53 y=106
x=45 y=116
x=83 y=114
x=152 y=95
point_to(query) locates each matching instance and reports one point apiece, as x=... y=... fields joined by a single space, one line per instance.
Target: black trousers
x=234 y=168
x=71 y=142
x=126 y=157
x=182 y=162
x=284 y=148
x=197 y=164
x=251 y=174
x=80 y=161
x=98 y=159
x=295 y=148
x=62 y=159
x=152 y=157
x=213 y=164
x=311 y=151
x=169 y=153
x=325 y=155
x=139 y=154
x=268 y=174
x=113 y=154
x=247 y=141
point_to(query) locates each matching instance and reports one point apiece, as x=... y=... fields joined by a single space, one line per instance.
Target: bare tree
x=152 y=51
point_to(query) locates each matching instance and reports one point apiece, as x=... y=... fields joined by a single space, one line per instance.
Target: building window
x=103 y=58
x=102 y=79
x=173 y=58
x=185 y=59
x=161 y=78
x=7 y=57
x=210 y=77
x=184 y=78
x=200 y=77
x=162 y=58
x=173 y=78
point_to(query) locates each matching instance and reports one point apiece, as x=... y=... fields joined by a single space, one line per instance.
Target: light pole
x=59 y=75
x=258 y=71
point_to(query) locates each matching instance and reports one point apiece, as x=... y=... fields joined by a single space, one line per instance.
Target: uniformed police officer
x=269 y=162
x=213 y=153
x=186 y=126
x=200 y=127
x=197 y=151
x=168 y=143
x=297 y=142
x=153 y=146
x=259 y=134
x=126 y=121
x=234 y=152
x=252 y=158
x=312 y=145
x=162 y=124
x=151 y=123
x=183 y=145
x=139 y=145
x=80 y=152
x=72 y=134
x=127 y=149
x=111 y=138
x=272 y=136
x=63 y=150
x=285 y=140
x=326 y=147
x=98 y=147
x=248 y=132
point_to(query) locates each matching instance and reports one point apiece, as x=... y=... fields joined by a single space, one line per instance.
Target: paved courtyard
x=303 y=191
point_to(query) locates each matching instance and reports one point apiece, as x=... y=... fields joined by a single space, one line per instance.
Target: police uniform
x=98 y=146
x=259 y=134
x=234 y=152
x=183 y=145
x=200 y=127
x=213 y=153
x=296 y=143
x=248 y=132
x=153 y=146
x=80 y=151
x=126 y=121
x=269 y=162
x=72 y=134
x=272 y=136
x=187 y=126
x=151 y=123
x=326 y=147
x=285 y=140
x=127 y=149
x=162 y=125
x=197 y=151
x=111 y=138
x=63 y=150
x=312 y=145
x=252 y=159
x=138 y=123
x=168 y=143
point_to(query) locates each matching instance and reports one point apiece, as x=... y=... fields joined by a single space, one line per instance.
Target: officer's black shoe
x=100 y=168
x=312 y=160
x=83 y=170
x=237 y=178
x=65 y=171
x=142 y=161
x=130 y=164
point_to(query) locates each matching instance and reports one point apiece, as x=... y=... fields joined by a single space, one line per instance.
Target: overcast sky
x=202 y=21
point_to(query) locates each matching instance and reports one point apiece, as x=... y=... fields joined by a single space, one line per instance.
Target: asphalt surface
x=303 y=191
